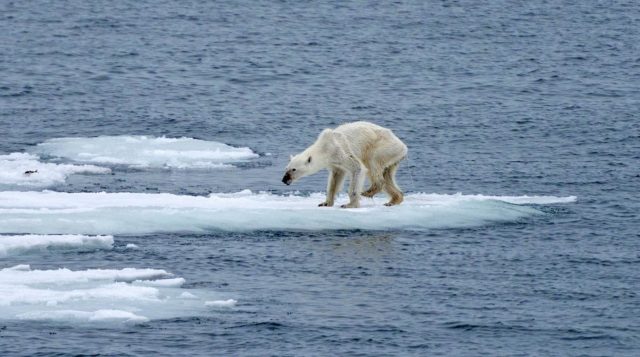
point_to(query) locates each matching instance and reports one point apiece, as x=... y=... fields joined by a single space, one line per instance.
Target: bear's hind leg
x=372 y=191
x=391 y=187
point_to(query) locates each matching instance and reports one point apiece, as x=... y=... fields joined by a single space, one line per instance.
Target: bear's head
x=301 y=165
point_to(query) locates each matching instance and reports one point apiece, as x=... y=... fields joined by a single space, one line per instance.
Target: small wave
x=140 y=213
x=21 y=169
x=568 y=334
x=98 y=295
x=13 y=245
x=266 y=325
x=146 y=151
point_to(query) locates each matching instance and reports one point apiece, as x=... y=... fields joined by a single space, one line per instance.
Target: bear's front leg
x=355 y=186
x=336 y=178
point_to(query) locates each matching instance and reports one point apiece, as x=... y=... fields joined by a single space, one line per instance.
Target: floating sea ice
x=141 y=213
x=221 y=303
x=19 y=244
x=97 y=295
x=23 y=274
x=20 y=169
x=104 y=315
x=175 y=282
x=146 y=151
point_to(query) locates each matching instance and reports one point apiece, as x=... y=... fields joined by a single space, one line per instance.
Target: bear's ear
x=309 y=160
x=290 y=157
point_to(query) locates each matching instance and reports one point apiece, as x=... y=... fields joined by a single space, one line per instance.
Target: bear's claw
x=395 y=201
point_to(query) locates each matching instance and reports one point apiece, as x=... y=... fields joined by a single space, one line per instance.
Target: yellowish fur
x=359 y=149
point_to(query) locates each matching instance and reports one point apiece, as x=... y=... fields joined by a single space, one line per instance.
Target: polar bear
x=359 y=149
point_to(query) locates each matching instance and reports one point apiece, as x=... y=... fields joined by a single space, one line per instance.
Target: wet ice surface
x=26 y=170
x=97 y=296
x=139 y=213
x=20 y=244
x=145 y=151
x=499 y=99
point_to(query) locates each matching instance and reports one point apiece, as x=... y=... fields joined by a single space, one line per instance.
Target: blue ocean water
x=503 y=98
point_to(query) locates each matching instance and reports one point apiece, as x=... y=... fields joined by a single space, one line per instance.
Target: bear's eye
x=309 y=160
x=293 y=169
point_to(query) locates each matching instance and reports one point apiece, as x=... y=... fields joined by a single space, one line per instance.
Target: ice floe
x=19 y=244
x=221 y=303
x=146 y=151
x=21 y=169
x=97 y=295
x=84 y=316
x=139 y=213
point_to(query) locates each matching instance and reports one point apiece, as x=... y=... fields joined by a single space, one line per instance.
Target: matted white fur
x=358 y=150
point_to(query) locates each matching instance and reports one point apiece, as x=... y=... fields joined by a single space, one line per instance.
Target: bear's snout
x=287 y=178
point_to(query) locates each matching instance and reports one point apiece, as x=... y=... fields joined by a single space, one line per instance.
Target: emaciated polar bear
x=359 y=149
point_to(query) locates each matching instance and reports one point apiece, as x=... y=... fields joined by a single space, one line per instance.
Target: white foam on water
x=141 y=213
x=19 y=244
x=13 y=168
x=146 y=151
x=96 y=295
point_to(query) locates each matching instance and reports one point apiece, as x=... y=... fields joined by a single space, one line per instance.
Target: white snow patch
x=131 y=246
x=20 y=169
x=19 y=244
x=146 y=151
x=142 y=213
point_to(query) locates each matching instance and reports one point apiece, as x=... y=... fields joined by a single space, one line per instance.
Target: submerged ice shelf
x=146 y=151
x=139 y=213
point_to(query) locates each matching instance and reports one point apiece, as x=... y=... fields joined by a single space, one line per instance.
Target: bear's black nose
x=286 y=179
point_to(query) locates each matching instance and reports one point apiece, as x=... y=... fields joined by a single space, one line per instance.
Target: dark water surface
x=498 y=98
